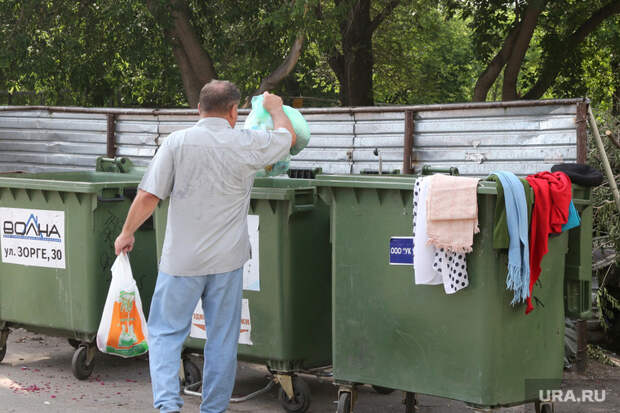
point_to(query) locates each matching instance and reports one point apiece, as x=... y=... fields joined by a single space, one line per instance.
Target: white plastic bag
x=122 y=330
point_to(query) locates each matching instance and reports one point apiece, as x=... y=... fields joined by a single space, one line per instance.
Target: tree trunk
x=194 y=63
x=358 y=64
x=521 y=44
x=355 y=63
x=490 y=74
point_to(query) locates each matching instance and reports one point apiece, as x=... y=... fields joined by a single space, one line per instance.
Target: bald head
x=218 y=96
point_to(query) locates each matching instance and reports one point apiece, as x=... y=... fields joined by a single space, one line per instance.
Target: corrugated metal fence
x=523 y=137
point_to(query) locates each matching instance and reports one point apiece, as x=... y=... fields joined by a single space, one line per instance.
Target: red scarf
x=552 y=195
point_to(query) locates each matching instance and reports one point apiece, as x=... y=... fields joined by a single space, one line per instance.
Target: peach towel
x=452 y=212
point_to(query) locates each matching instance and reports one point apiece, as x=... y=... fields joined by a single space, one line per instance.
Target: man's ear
x=198 y=107
x=233 y=110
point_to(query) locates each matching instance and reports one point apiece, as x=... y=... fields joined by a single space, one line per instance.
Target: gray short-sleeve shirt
x=208 y=172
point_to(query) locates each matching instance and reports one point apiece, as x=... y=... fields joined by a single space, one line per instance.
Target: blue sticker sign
x=401 y=251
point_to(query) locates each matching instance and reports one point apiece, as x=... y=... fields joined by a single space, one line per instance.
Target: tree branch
x=495 y=66
x=336 y=62
x=387 y=10
x=191 y=84
x=613 y=140
x=554 y=62
x=281 y=71
x=521 y=44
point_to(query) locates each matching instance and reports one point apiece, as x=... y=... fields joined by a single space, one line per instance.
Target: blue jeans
x=170 y=318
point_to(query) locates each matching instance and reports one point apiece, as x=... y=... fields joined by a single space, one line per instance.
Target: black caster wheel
x=2 y=352
x=344 y=403
x=193 y=374
x=301 y=402
x=382 y=390
x=74 y=343
x=80 y=369
x=544 y=407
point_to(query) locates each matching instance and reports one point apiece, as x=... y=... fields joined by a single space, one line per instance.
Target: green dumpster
x=470 y=346
x=287 y=302
x=57 y=244
x=578 y=281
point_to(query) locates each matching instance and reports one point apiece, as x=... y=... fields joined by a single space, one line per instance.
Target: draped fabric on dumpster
x=434 y=265
x=573 y=218
x=452 y=218
x=515 y=203
x=422 y=252
x=552 y=195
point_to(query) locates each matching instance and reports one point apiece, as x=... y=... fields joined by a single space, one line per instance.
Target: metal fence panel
x=476 y=139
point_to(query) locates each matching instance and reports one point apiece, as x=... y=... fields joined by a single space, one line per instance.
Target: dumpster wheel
x=80 y=365
x=546 y=407
x=382 y=390
x=4 y=335
x=191 y=372
x=301 y=400
x=344 y=402
x=74 y=343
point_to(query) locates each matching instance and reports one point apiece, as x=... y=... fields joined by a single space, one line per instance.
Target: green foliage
x=606 y=217
x=606 y=222
x=423 y=57
x=597 y=353
x=85 y=53
x=111 y=53
x=609 y=307
x=594 y=68
x=589 y=68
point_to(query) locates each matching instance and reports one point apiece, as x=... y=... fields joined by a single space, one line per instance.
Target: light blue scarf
x=518 y=279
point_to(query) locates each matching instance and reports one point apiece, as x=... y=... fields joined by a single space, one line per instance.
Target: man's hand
x=141 y=208
x=272 y=103
x=124 y=243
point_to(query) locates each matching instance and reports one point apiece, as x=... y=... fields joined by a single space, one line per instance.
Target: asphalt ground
x=36 y=376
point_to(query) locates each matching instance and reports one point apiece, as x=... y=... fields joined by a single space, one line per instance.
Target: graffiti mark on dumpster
x=33 y=237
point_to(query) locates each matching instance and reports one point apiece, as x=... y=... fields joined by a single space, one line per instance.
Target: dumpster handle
x=428 y=170
x=120 y=197
x=301 y=198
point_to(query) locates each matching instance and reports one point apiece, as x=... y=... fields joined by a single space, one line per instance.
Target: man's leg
x=169 y=323
x=221 y=303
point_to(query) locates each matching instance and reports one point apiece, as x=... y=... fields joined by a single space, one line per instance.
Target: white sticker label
x=33 y=237
x=251 y=277
x=199 y=330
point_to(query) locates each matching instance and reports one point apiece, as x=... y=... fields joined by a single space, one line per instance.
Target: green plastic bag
x=260 y=119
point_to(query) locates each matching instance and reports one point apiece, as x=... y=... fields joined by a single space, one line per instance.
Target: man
x=208 y=172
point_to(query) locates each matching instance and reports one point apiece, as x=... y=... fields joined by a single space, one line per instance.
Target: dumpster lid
x=82 y=181
x=404 y=182
x=281 y=188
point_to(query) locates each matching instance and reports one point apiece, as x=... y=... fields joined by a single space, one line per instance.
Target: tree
x=350 y=53
x=198 y=30
x=85 y=53
x=508 y=29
